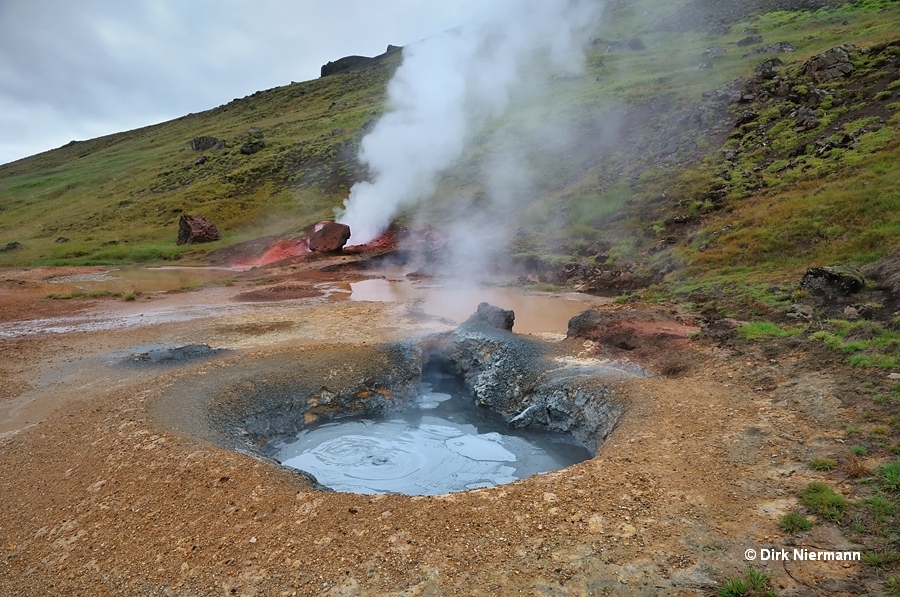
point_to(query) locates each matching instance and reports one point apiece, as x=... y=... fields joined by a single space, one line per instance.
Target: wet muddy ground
x=99 y=495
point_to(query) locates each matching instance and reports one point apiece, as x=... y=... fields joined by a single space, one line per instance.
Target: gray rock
x=497 y=318
x=804 y=312
x=829 y=66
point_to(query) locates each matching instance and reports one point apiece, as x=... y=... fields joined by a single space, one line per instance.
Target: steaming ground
x=100 y=498
x=449 y=86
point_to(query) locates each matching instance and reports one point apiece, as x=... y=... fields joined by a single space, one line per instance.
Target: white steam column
x=447 y=87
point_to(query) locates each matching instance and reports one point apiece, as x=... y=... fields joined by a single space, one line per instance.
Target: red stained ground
x=280 y=249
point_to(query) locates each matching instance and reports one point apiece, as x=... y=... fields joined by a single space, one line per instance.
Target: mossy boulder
x=833 y=280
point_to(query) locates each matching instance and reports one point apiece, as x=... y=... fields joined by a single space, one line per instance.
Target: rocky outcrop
x=497 y=318
x=886 y=272
x=198 y=229
x=10 y=247
x=206 y=143
x=829 y=66
x=348 y=63
x=834 y=280
x=777 y=48
x=328 y=237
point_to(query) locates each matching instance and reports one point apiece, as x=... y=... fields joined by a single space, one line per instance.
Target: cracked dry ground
x=99 y=498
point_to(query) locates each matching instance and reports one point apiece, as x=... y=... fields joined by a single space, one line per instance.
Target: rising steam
x=447 y=87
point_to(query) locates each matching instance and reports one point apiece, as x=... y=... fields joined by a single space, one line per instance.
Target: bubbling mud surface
x=442 y=444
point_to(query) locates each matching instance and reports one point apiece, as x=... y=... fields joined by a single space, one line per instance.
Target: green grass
x=823 y=500
x=753 y=583
x=765 y=329
x=870 y=344
x=890 y=476
x=794 y=523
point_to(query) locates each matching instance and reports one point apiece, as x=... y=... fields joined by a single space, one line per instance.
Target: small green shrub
x=859 y=450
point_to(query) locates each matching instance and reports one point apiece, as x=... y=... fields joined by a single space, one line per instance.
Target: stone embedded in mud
x=194 y=230
x=328 y=237
x=497 y=318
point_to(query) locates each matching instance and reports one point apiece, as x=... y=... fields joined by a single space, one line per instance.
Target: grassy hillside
x=654 y=174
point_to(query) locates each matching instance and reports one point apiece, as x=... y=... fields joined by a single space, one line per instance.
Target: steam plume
x=447 y=87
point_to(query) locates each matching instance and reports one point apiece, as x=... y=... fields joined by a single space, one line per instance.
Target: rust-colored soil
x=98 y=497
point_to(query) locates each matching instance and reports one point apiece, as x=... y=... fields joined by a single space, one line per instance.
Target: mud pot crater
x=493 y=398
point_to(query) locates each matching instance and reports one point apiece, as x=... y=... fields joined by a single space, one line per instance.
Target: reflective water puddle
x=535 y=312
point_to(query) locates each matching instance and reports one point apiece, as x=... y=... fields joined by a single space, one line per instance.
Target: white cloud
x=72 y=70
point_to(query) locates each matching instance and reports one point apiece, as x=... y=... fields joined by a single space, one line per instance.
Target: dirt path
x=97 y=498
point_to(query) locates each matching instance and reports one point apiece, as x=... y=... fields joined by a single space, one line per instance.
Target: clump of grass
x=752 y=584
x=859 y=450
x=824 y=501
x=884 y=558
x=890 y=476
x=822 y=464
x=793 y=523
x=765 y=329
x=870 y=345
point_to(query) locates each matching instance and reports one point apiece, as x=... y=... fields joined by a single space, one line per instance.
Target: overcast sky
x=79 y=69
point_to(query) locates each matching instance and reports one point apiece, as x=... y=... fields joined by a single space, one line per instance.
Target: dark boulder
x=495 y=317
x=252 y=147
x=635 y=44
x=750 y=41
x=829 y=66
x=328 y=237
x=713 y=52
x=194 y=230
x=769 y=69
x=10 y=247
x=778 y=48
x=833 y=280
x=204 y=143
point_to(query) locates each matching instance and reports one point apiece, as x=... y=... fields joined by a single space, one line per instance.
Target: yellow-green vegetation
x=117 y=199
x=645 y=144
x=822 y=464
